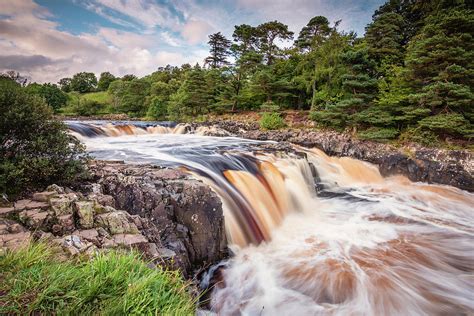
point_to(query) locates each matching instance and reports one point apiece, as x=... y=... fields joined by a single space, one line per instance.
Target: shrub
x=158 y=109
x=36 y=149
x=269 y=106
x=87 y=107
x=36 y=282
x=271 y=121
x=379 y=134
x=420 y=136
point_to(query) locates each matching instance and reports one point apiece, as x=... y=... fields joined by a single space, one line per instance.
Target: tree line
x=410 y=76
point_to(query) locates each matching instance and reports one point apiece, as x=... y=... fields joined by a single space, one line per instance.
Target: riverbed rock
x=169 y=202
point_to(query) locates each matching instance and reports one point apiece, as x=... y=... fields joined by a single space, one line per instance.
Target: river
x=313 y=234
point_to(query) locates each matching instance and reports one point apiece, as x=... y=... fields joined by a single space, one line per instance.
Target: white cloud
x=195 y=31
x=33 y=44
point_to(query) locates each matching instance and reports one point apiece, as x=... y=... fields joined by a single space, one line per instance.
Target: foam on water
x=318 y=235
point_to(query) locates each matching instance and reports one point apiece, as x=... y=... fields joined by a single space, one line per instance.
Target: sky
x=50 y=39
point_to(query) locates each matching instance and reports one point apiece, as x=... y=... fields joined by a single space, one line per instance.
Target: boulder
x=85 y=213
x=44 y=196
x=4 y=211
x=129 y=240
x=118 y=222
x=33 y=219
x=61 y=205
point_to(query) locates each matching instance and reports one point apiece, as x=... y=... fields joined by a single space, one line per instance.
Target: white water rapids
x=316 y=235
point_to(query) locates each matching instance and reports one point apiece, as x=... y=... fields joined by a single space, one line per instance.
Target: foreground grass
x=34 y=281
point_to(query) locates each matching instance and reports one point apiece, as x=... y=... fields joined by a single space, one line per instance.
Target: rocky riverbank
x=174 y=220
x=431 y=165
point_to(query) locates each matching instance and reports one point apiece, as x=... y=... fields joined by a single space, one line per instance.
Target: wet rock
x=85 y=213
x=166 y=202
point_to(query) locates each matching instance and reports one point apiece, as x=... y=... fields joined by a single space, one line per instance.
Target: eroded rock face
x=450 y=167
x=172 y=219
x=183 y=213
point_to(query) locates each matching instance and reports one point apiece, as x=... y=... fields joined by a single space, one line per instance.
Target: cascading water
x=317 y=235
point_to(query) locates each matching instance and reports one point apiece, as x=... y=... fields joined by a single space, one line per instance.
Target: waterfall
x=318 y=235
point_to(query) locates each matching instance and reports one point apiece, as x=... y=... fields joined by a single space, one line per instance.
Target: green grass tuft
x=34 y=280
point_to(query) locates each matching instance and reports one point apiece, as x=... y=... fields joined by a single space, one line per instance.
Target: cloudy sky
x=51 y=39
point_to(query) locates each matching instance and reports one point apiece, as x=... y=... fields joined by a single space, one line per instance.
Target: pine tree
x=269 y=33
x=311 y=35
x=192 y=98
x=385 y=38
x=440 y=67
x=219 y=50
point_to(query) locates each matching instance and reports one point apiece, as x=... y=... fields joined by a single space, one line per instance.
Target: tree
x=385 y=38
x=359 y=89
x=53 y=96
x=440 y=63
x=84 y=82
x=219 y=50
x=268 y=34
x=104 y=81
x=311 y=35
x=192 y=98
x=129 y=77
x=158 y=100
x=35 y=149
x=15 y=76
x=65 y=84
x=133 y=97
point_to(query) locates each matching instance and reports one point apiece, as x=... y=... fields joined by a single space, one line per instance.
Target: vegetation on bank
x=410 y=77
x=35 y=281
x=35 y=150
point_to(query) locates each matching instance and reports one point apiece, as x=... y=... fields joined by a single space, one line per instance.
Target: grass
x=102 y=97
x=33 y=280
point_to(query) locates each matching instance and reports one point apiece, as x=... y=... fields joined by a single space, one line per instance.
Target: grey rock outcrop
x=174 y=220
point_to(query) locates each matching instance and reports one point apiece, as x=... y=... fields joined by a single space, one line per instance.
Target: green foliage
x=36 y=281
x=272 y=121
x=220 y=46
x=269 y=106
x=452 y=124
x=158 y=109
x=106 y=78
x=379 y=134
x=313 y=34
x=83 y=82
x=36 y=149
x=86 y=107
x=53 y=96
x=414 y=64
x=192 y=98
x=420 y=136
x=65 y=84
x=130 y=96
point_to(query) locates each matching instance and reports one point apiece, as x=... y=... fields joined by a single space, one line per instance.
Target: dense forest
x=410 y=77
